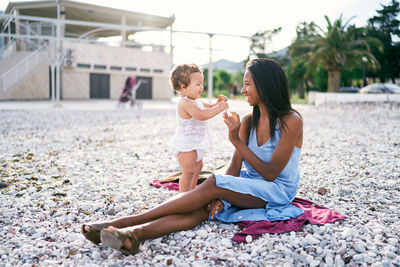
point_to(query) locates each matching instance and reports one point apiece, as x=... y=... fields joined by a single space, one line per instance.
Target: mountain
x=280 y=53
x=229 y=66
x=235 y=67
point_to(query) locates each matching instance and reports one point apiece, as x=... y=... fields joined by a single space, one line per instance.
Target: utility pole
x=53 y=53
x=58 y=55
x=171 y=48
x=210 y=73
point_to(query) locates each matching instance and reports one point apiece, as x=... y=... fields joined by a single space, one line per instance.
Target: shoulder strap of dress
x=185 y=97
x=252 y=133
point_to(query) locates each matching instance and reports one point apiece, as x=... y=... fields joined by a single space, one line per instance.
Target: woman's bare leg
x=163 y=226
x=191 y=201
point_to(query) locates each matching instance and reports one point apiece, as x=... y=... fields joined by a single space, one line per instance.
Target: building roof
x=92 y=13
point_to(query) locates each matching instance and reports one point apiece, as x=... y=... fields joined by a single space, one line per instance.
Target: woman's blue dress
x=278 y=194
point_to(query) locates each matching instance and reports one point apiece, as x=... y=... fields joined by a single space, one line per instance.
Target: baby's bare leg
x=197 y=169
x=187 y=161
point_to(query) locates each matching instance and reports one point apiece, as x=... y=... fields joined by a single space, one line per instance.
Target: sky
x=234 y=17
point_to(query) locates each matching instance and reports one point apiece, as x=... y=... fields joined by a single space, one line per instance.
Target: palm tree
x=298 y=52
x=338 y=48
x=297 y=71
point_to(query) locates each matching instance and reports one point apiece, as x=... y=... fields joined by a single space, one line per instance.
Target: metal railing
x=25 y=66
x=34 y=29
x=8 y=50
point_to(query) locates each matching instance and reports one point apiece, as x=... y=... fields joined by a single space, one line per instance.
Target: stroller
x=129 y=91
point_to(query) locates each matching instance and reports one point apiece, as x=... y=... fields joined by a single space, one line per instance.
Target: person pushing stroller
x=129 y=91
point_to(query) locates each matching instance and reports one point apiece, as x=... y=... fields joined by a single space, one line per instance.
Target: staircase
x=14 y=68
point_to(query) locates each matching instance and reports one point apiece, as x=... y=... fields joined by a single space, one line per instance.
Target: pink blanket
x=313 y=214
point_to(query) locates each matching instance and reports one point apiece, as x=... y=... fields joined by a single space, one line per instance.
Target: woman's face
x=249 y=89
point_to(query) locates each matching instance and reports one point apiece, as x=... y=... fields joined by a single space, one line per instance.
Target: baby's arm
x=190 y=108
x=220 y=98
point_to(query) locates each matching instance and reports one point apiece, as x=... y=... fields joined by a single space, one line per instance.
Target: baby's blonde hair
x=180 y=75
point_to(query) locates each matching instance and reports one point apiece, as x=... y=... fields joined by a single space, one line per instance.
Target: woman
x=267 y=142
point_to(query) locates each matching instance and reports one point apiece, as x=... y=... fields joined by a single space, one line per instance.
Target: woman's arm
x=236 y=162
x=234 y=167
x=269 y=170
x=188 y=109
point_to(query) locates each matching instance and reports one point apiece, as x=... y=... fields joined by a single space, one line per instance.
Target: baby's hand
x=222 y=98
x=223 y=105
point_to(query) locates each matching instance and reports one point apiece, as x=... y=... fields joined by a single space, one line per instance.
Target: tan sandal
x=117 y=238
x=93 y=234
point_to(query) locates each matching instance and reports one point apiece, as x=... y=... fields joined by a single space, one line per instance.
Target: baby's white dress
x=191 y=134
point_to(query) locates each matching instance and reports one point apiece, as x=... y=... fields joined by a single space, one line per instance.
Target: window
x=115 y=68
x=130 y=68
x=83 y=66
x=100 y=67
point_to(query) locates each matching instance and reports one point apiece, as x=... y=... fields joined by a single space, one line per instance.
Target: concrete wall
x=132 y=61
x=117 y=82
x=164 y=88
x=75 y=84
x=318 y=98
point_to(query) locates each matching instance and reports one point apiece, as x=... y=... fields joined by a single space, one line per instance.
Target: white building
x=41 y=35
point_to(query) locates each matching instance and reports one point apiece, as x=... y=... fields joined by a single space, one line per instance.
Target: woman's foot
x=123 y=240
x=91 y=231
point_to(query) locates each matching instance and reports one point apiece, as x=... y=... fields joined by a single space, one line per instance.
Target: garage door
x=145 y=90
x=99 y=85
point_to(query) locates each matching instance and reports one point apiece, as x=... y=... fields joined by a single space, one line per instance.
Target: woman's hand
x=233 y=123
x=215 y=207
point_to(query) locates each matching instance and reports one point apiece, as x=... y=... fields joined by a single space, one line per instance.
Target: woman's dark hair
x=273 y=89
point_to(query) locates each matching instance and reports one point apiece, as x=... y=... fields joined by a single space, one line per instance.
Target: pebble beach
x=89 y=161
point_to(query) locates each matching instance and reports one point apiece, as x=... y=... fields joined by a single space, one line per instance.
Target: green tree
x=337 y=48
x=386 y=27
x=297 y=74
x=320 y=79
x=205 y=73
x=297 y=70
x=224 y=79
x=259 y=41
x=353 y=77
x=238 y=77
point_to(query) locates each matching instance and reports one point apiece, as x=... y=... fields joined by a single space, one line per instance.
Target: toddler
x=192 y=139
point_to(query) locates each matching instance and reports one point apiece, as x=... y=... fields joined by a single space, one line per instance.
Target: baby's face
x=195 y=87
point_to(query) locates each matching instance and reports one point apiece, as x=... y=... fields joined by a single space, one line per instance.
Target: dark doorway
x=99 y=85
x=51 y=80
x=145 y=90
